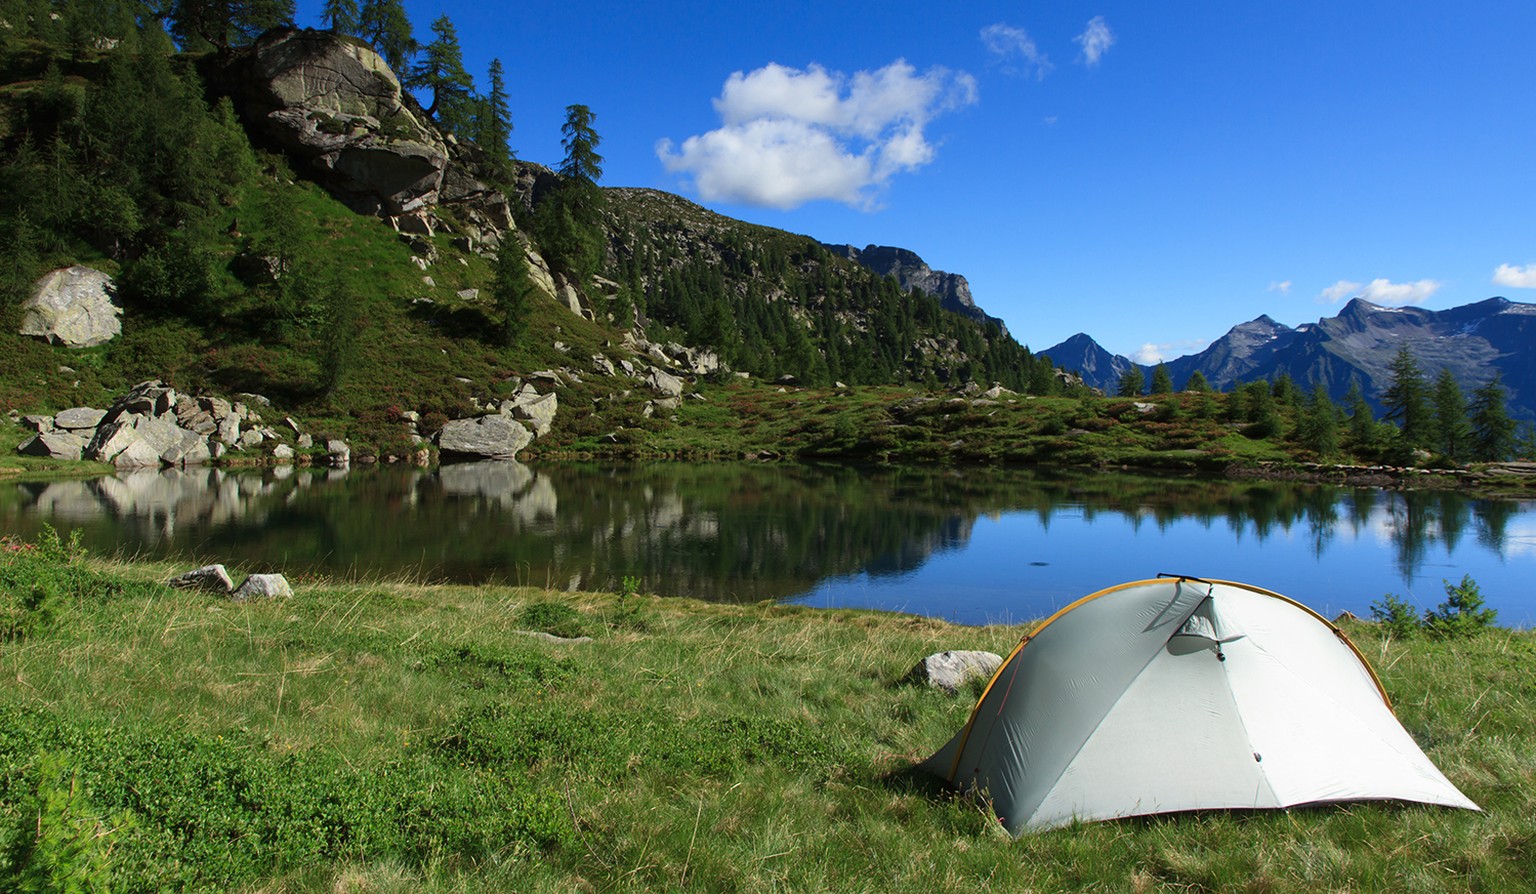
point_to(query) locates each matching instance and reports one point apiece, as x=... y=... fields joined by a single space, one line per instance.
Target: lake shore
x=390 y=735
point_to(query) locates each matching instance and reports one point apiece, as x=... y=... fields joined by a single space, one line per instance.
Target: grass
x=393 y=736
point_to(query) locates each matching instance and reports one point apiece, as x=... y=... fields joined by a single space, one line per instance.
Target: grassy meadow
x=395 y=736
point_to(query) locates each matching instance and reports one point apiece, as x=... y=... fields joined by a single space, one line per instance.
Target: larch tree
x=1493 y=432
x=1162 y=382
x=493 y=118
x=221 y=24
x=342 y=16
x=1406 y=400
x=1451 y=428
x=384 y=24
x=441 y=70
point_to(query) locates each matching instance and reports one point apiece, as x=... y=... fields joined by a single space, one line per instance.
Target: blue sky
x=1149 y=173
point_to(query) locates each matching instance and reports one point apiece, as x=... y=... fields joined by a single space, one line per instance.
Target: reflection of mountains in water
x=735 y=532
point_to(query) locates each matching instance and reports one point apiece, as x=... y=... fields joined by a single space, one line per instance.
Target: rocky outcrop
x=153 y=426
x=72 y=307
x=952 y=289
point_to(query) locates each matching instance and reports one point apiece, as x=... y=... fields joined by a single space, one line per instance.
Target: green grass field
x=400 y=737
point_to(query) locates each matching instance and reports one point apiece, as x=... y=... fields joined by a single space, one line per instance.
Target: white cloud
x=1150 y=353
x=790 y=136
x=1514 y=277
x=1381 y=291
x=1283 y=288
x=1095 y=40
x=1016 y=49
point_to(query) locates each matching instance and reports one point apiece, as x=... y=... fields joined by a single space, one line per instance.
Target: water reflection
x=748 y=532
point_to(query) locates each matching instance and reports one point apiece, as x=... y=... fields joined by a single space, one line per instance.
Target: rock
x=664 y=383
x=193 y=451
x=468 y=294
x=282 y=453
x=78 y=418
x=252 y=438
x=335 y=103
x=263 y=586
x=951 y=670
x=109 y=440
x=229 y=429
x=305 y=442
x=140 y=454
x=338 y=452
x=488 y=437
x=72 y=307
x=39 y=423
x=54 y=444
x=539 y=411
x=208 y=577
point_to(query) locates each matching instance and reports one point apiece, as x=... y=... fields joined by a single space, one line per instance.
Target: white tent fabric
x=1182 y=694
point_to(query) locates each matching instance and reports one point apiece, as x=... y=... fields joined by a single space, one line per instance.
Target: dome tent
x=1180 y=694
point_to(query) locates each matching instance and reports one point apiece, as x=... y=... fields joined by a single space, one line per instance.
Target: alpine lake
x=971 y=545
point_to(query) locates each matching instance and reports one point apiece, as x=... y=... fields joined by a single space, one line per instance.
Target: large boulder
x=334 y=102
x=54 y=444
x=486 y=437
x=72 y=307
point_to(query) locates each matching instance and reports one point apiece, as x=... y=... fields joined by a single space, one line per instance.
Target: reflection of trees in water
x=723 y=531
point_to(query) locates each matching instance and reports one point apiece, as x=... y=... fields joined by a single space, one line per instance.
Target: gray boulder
x=664 y=383
x=72 y=307
x=264 y=586
x=951 y=670
x=537 y=409
x=78 y=418
x=54 y=444
x=208 y=577
x=140 y=454
x=486 y=437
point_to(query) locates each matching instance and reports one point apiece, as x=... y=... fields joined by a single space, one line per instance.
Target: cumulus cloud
x=1381 y=291
x=1510 y=276
x=1283 y=288
x=790 y=136
x=1016 y=50
x=1150 y=354
x=1095 y=40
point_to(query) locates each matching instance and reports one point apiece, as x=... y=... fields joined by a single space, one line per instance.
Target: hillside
x=284 y=219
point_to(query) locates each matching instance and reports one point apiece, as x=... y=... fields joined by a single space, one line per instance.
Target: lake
x=970 y=545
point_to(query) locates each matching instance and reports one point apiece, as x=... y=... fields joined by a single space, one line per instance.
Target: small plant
x=628 y=611
x=58 y=843
x=554 y=618
x=1397 y=616
x=1462 y=613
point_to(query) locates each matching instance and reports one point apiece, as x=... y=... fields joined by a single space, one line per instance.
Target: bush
x=553 y=618
x=1462 y=613
x=1397 y=616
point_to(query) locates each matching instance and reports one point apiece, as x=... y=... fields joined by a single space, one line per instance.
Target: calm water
x=969 y=545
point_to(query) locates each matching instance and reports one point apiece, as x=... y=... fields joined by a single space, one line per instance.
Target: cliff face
x=952 y=290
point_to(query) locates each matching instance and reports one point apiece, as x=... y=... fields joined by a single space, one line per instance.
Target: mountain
x=1098 y=368
x=1474 y=341
x=952 y=290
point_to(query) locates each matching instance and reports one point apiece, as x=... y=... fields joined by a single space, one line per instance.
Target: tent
x=1184 y=694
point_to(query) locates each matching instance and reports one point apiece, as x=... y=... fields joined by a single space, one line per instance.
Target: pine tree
x=511 y=290
x=1197 y=382
x=1132 y=383
x=199 y=24
x=493 y=120
x=1451 y=427
x=1362 y=422
x=1492 y=431
x=342 y=16
x=384 y=24
x=1407 y=401
x=1317 y=426
x=1162 y=383
x=441 y=70
x=581 y=164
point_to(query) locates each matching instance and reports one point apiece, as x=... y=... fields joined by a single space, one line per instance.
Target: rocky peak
x=952 y=289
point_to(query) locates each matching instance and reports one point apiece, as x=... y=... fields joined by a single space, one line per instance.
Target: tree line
x=1420 y=418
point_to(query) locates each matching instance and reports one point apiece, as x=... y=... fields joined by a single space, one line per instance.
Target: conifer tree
x=511 y=289
x=1197 y=382
x=1132 y=383
x=1407 y=401
x=1492 y=431
x=221 y=24
x=384 y=24
x=1451 y=428
x=1317 y=426
x=1362 y=422
x=342 y=16
x=441 y=70
x=493 y=120
x=1162 y=383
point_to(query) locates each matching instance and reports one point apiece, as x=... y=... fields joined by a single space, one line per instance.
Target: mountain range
x=1474 y=341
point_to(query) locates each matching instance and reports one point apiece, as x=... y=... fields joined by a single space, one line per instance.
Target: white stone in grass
x=264 y=586
x=208 y=577
x=951 y=670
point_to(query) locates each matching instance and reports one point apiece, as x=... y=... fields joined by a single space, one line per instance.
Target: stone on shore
x=264 y=586
x=951 y=670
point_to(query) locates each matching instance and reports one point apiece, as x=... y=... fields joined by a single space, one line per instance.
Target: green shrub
x=57 y=843
x=554 y=618
x=1397 y=616
x=1462 y=613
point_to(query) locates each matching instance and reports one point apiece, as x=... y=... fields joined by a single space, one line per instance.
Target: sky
x=1151 y=174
